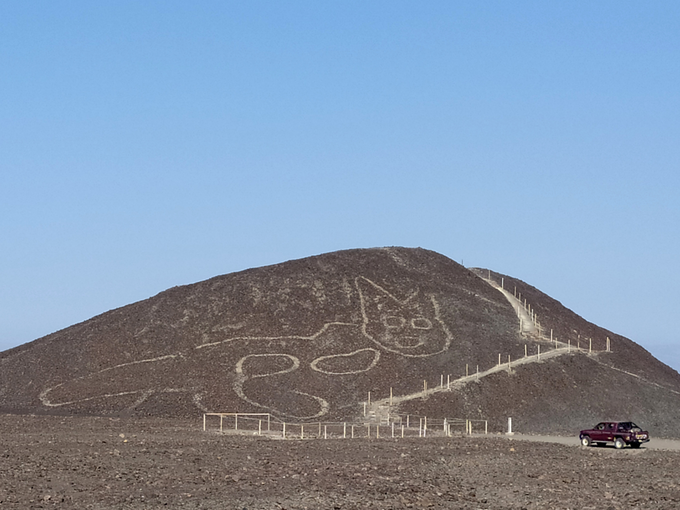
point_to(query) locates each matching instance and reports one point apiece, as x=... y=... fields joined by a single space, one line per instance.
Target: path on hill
x=382 y=407
x=527 y=322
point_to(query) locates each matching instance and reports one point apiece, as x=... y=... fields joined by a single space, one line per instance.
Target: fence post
x=344 y=430
x=203 y=422
x=236 y=421
x=392 y=429
x=486 y=427
x=325 y=434
x=539 y=352
x=284 y=429
x=302 y=431
x=259 y=427
x=441 y=381
x=402 y=431
x=525 y=350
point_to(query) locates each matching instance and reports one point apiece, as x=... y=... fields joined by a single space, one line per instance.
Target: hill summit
x=308 y=339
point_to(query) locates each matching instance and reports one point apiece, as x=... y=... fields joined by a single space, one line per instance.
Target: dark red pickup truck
x=621 y=433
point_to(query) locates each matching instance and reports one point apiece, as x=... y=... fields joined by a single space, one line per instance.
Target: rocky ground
x=106 y=463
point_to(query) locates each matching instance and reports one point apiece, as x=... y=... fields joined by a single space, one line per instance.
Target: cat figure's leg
x=268 y=381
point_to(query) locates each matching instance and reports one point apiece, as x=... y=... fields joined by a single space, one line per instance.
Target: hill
x=308 y=339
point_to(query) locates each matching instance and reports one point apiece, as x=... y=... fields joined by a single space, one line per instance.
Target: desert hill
x=306 y=340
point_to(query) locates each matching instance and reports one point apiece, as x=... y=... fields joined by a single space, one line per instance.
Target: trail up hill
x=306 y=340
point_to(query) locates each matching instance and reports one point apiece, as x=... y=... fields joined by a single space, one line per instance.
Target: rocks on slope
x=308 y=339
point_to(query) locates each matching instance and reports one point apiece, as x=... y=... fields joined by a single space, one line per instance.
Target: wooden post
x=392 y=429
x=590 y=346
x=269 y=429
x=486 y=427
x=499 y=359
x=502 y=282
x=539 y=352
x=448 y=382
x=325 y=434
x=236 y=421
x=444 y=425
x=525 y=350
x=203 y=422
x=344 y=430
x=259 y=427
x=441 y=381
x=302 y=431
x=478 y=372
x=352 y=431
x=420 y=428
x=425 y=426
x=402 y=431
x=369 y=398
x=284 y=429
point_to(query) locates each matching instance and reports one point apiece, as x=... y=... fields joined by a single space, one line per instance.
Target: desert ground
x=119 y=463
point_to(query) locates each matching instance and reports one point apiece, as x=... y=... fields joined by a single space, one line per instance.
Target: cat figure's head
x=411 y=327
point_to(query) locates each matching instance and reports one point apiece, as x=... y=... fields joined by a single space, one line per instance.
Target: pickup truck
x=621 y=433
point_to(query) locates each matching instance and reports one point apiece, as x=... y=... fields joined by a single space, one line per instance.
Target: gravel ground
x=105 y=463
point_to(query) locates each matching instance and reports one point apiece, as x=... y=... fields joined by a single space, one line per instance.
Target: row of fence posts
x=534 y=318
x=349 y=430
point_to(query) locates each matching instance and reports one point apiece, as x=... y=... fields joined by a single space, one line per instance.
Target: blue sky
x=150 y=144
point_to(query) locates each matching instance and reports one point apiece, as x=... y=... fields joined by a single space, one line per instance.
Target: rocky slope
x=307 y=340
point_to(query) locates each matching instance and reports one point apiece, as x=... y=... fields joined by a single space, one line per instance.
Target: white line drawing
x=314 y=365
x=242 y=377
x=411 y=327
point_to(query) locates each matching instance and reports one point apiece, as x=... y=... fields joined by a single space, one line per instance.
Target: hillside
x=308 y=339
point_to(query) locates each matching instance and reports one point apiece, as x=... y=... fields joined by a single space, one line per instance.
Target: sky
x=150 y=144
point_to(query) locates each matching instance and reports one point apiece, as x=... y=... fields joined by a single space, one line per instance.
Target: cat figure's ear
x=411 y=327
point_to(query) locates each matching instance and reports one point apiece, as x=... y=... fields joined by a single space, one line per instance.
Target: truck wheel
x=585 y=441
x=619 y=443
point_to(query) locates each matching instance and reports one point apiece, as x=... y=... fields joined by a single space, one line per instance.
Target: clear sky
x=147 y=144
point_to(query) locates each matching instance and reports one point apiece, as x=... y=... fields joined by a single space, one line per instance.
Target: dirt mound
x=307 y=340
